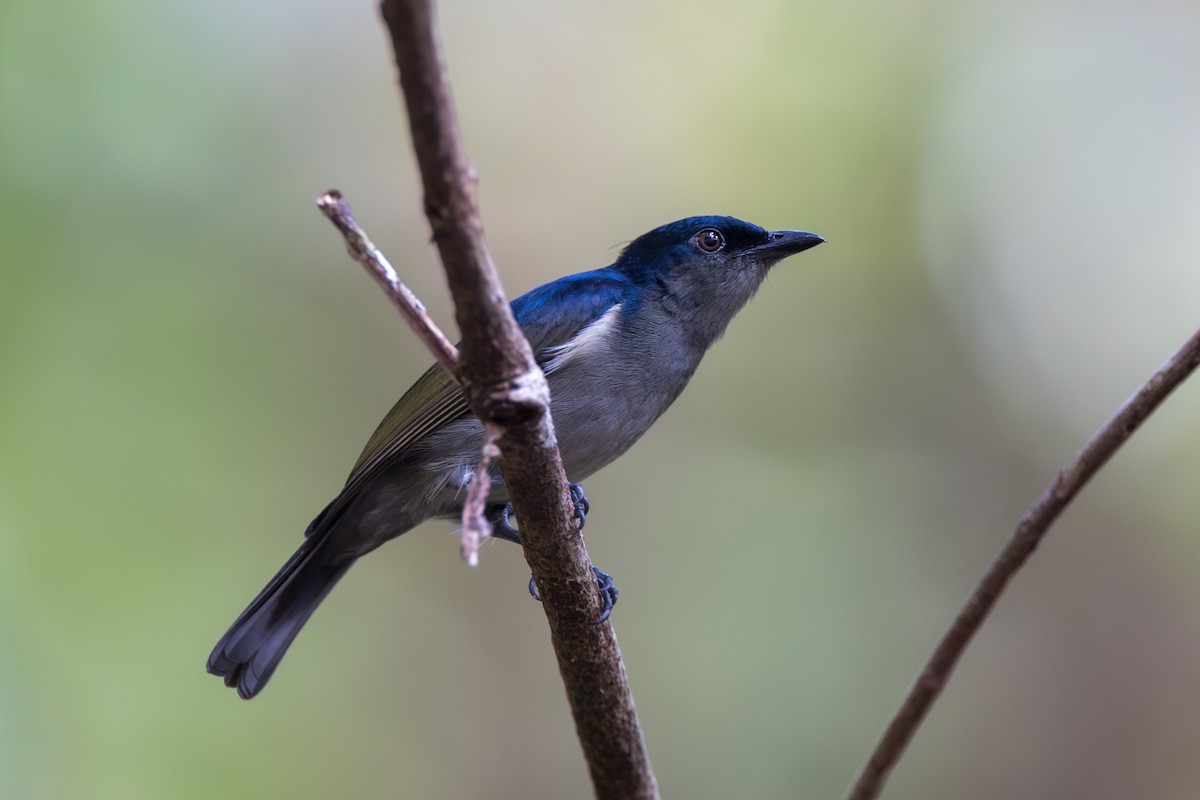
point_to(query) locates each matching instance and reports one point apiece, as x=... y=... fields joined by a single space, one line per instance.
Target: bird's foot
x=581 y=503
x=501 y=516
x=502 y=527
x=608 y=593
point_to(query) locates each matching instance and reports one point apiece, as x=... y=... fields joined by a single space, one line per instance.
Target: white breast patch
x=594 y=335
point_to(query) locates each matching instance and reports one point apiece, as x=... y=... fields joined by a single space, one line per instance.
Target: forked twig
x=475 y=527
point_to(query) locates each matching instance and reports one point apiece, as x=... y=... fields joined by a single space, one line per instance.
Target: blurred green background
x=189 y=365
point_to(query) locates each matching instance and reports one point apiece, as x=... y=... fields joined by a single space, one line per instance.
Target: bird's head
x=706 y=268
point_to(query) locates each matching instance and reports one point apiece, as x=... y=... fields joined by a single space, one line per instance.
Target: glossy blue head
x=706 y=268
x=709 y=241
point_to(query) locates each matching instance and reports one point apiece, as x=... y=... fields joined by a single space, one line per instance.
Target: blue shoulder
x=554 y=312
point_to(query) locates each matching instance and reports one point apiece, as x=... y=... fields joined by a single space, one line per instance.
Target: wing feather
x=552 y=316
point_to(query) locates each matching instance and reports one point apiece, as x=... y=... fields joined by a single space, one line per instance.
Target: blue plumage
x=553 y=312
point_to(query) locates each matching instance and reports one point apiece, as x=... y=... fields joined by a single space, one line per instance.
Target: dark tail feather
x=250 y=650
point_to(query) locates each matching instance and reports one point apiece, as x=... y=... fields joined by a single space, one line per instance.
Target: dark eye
x=710 y=240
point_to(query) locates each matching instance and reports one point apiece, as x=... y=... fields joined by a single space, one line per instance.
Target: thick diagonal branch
x=505 y=387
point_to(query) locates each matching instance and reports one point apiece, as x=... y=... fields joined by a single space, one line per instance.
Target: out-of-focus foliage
x=189 y=365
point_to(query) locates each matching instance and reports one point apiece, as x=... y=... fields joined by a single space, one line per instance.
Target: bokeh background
x=189 y=365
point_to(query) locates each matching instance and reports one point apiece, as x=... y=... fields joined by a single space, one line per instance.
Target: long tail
x=251 y=649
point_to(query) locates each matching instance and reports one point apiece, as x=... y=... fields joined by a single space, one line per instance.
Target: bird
x=617 y=344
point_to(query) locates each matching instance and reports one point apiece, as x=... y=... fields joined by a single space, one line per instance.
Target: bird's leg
x=608 y=592
x=502 y=528
x=501 y=516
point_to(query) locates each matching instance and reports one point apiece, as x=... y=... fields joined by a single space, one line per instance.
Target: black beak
x=782 y=244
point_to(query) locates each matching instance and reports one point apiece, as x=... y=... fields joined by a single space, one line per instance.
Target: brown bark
x=506 y=388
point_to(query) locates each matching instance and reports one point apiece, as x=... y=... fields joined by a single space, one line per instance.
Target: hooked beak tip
x=788 y=243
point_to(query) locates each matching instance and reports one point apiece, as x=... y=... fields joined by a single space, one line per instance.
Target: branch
x=1029 y=532
x=475 y=526
x=364 y=251
x=506 y=388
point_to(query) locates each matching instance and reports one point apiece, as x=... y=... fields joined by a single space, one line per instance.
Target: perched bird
x=617 y=345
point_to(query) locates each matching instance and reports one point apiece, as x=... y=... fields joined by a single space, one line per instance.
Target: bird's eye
x=710 y=240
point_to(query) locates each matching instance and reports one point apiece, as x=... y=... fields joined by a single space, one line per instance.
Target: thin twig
x=505 y=386
x=1029 y=532
x=362 y=250
x=474 y=517
x=475 y=526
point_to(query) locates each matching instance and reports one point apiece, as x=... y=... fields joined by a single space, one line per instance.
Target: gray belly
x=599 y=418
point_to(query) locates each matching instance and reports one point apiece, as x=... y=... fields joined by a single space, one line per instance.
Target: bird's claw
x=608 y=593
x=581 y=503
x=501 y=517
x=503 y=528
